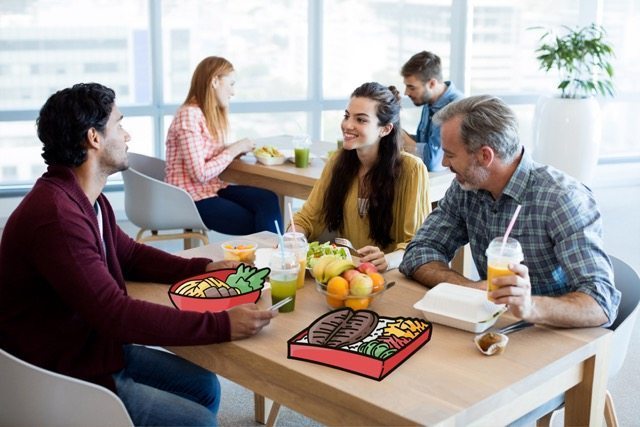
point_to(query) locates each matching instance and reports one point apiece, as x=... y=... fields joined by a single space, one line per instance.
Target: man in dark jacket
x=63 y=266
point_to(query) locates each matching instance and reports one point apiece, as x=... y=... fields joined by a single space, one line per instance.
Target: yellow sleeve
x=412 y=200
x=309 y=216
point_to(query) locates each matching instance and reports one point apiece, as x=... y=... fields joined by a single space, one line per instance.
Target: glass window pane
x=20 y=153
x=371 y=40
x=503 y=59
x=265 y=41
x=42 y=53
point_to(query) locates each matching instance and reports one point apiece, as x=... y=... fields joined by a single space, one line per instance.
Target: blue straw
x=281 y=239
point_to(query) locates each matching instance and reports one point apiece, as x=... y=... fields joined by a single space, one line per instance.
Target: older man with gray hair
x=566 y=278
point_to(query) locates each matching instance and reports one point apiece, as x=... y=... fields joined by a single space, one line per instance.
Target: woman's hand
x=373 y=255
x=242 y=146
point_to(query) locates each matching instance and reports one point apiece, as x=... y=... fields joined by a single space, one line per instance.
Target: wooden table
x=447 y=382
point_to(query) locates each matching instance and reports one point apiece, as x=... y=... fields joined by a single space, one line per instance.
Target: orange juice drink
x=499 y=257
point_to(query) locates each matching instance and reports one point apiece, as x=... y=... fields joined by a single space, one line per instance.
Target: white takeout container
x=459 y=307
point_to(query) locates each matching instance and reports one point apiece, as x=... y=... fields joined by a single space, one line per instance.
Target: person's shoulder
x=411 y=161
x=554 y=183
x=189 y=111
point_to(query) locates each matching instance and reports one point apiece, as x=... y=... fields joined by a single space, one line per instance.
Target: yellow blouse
x=410 y=207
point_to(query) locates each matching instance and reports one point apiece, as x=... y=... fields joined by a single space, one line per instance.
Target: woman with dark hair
x=198 y=152
x=370 y=192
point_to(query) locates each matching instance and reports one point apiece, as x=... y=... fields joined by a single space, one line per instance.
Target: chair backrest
x=628 y=283
x=152 y=204
x=32 y=396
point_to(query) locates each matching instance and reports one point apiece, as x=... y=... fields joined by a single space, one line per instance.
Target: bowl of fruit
x=344 y=285
x=269 y=155
x=240 y=250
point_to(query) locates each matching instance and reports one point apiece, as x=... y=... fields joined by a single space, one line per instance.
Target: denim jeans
x=161 y=389
x=240 y=209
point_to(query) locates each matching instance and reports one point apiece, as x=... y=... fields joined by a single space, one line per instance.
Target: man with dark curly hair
x=63 y=266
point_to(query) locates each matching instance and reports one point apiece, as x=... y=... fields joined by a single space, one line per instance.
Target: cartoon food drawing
x=220 y=289
x=360 y=341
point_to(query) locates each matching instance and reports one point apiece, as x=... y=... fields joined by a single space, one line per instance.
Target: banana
x=319 y=266
x=336 y=268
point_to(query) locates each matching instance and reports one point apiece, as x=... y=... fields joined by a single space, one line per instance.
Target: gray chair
x=154 y=205
x=32 y=396
x=628 y=283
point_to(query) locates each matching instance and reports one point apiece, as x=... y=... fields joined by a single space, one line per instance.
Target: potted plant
x=569 y=127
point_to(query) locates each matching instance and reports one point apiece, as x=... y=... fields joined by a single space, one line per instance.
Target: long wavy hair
x=203 y=95
x=380 y=180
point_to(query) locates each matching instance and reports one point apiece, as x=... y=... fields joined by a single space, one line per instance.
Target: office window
x=503 y=59
x=265 y=41
x=370 y=40
x=41 y=52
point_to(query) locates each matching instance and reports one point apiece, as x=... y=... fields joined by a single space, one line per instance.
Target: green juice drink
x=284 y=276
x=282 y=287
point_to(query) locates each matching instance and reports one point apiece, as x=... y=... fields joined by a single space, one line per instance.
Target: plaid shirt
x=559 y=228
x=194 y=158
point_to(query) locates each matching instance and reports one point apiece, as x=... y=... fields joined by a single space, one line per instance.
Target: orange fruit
x=335 y=302
x=378 y=281
x=357 y=303
x=338 y=287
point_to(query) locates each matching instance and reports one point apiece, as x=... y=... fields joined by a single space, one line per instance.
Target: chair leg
x=610 y=411
x=273 y=414
x=545 y=421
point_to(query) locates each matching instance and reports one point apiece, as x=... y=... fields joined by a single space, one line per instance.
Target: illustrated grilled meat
x=342 y=327
x=220 y=292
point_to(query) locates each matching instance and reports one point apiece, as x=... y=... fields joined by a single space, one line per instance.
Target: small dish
x=491 y=343
x=240 y=250
x=271 y=161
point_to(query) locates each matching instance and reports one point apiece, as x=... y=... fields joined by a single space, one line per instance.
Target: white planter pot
x=567 y=135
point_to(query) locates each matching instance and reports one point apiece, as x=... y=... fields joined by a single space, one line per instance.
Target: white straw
x=293 y=225
x=506 y=234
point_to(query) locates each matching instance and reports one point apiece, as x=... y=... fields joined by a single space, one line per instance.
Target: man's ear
x=486 y=155
x=432 y=83
x=93 y=138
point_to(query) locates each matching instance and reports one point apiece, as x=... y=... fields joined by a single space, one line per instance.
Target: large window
x=297 y=61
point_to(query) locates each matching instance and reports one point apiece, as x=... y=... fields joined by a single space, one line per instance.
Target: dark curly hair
x=380 y=180
x=66 y=118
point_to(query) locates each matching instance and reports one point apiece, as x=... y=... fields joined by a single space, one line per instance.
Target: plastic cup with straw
x=297 y=243
x=502 y=252
x=284 y=272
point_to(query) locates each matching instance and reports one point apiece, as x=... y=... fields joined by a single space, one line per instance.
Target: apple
x=349 y=274
x=361 y=285
x=367 y=267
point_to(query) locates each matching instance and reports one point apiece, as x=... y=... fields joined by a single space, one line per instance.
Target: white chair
x=628 y=283
x=154 y=205
x=32 y=396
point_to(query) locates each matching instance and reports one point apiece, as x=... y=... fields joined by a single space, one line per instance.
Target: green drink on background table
x=283 y=278
x=301 y=145
x=339 y=143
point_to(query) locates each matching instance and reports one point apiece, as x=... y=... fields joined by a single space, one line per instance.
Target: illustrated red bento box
x=219 y=290
x=360 y=341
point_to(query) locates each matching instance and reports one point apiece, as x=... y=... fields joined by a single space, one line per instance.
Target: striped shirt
x=194 y=157
x=559 y=228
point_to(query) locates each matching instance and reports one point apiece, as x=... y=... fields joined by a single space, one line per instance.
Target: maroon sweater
x=63 y=301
